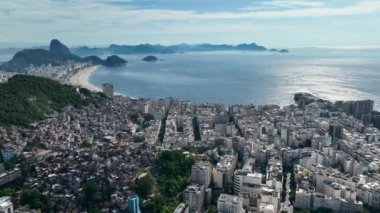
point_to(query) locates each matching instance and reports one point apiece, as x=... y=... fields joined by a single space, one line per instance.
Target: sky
x=272 y=23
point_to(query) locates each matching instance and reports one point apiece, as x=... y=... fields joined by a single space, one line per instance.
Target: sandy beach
x=81 y=78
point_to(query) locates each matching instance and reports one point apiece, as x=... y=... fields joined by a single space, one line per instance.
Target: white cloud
x=293 y=3
x=363 y=7
x=99 y=11
x=3 y=38
x=92 y=20
x=282 y=4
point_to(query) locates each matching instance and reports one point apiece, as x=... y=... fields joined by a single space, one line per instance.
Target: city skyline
x=275 y=23
x=190 y=106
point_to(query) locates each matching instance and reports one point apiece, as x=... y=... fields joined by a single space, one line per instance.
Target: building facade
x=230 y=204
x=133 y=204
x=6 y=206
x=107 y=89
x=194 y=196
x=201 y=173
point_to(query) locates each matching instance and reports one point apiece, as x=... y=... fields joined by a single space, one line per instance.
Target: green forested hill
x=26 y=99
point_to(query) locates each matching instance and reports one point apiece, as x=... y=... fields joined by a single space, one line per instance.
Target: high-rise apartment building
x=194 y=196
x=201 y=173
x=107 y=89
x=230 y=204
x=133 y=204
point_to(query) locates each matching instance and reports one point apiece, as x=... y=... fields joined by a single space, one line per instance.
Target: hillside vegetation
x=173 y=168
x=27 y=99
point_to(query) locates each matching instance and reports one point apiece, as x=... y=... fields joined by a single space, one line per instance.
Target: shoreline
x=82 y=78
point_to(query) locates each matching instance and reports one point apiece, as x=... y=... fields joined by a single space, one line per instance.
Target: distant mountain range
x=57 y=54
x=160 y=49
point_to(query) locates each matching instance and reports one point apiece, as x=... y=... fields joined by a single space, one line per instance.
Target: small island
x=279 y=51
x=150 y=58
x=114 y=61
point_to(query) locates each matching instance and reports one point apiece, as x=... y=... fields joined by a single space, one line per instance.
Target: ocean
x=249 y=77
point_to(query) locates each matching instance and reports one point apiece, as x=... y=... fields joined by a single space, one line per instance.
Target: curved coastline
x=82 y=78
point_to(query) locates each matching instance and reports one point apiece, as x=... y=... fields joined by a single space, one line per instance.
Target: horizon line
x=14 y=45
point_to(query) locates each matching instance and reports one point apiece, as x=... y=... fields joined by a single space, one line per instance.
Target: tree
x=134 y=118
x=138 y=138
x=189 y=149
x=325 y=210
x=7 y=192
x=173 y=169
x=95 y=210
x=144 y=186
x=31 y=197
x=211 y=209
x=85 y=144
x=162 y=128
x=148 y=117
x=92 y=192
x=221 y=151
x=150 y=207
x=293 y=187
x=11 y=163
x=25 y=99
x=174 y=164
x=161 y=204
x=197 y=134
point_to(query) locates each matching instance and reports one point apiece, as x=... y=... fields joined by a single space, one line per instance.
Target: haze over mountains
x=160 y=49
x=59 y=54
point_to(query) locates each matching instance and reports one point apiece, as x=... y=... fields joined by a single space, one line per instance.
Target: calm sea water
x=242 y=78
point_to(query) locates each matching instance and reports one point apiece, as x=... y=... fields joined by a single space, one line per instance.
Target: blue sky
x=273 y=23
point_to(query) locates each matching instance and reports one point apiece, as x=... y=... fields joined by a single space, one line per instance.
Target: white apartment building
x=194 y=196
x=314 y=201
x=369 y=194
x=246 y=182
x=201 y=173
x=230 y=204
x=107 y=89
x=270 y=200
x=6 y=206
x=224 y=170
x=303 y=199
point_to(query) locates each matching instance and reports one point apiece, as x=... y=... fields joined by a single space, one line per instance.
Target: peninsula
x=57 y=55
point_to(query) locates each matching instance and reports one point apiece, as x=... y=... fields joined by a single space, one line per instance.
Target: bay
x=249 y=77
